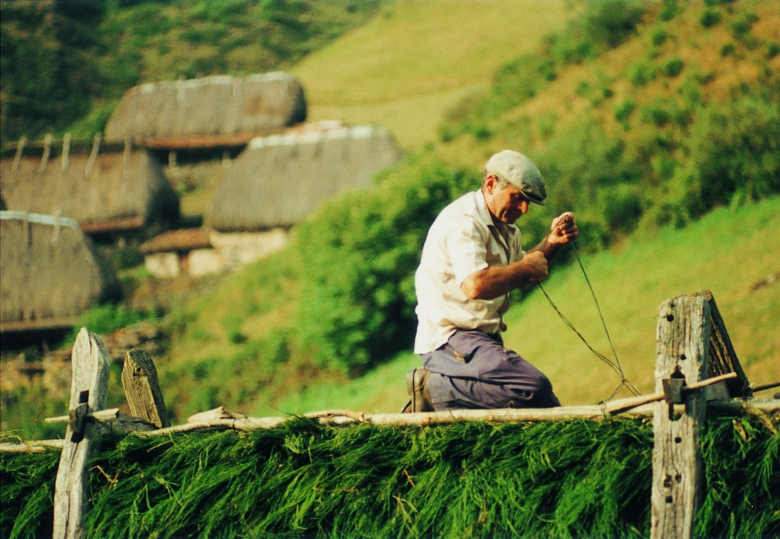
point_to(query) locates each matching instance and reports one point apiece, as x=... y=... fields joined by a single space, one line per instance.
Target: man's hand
x=563 y=229
x=537 y=266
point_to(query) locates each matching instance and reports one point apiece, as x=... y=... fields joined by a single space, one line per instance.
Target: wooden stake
x=683 y=335
x=142 y=389
x=90 y=364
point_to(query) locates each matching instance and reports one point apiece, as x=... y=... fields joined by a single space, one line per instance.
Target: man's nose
x=523 y=205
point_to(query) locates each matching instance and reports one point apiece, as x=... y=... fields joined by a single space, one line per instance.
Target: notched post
x=142 y=388
x=683 y=334
x=90 y=364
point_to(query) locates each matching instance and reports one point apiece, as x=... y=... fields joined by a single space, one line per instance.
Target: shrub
x=734 y=151
x=622 y=209
x=641 y=73
x=659 y=37
x=673 y=67
x=623 y=111
x=727 y=49
x=107 y=318
x=656 y=115
x=710 y=18
x=363 y=312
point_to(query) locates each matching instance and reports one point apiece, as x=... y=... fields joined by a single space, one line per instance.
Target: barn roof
x=51 y=272
x=217 y=105
x=278 y=180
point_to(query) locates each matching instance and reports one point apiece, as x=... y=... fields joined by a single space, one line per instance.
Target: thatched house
x=217 y=105
x=278 y=180
x=106 y=187
x=51 y=272
x=200 y=251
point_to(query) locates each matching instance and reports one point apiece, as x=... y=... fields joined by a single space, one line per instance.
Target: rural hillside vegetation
x=657 y=123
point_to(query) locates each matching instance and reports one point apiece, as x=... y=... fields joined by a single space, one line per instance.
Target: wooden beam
x=683 y=336
x=142 y=389
x=722 y=356
x=90 y=364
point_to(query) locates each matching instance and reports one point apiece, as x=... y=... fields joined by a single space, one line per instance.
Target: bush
x=734 y=152
x=659 y=37
x=727 y=49
x=710 y=18
x=363 y=312
x=656 y=115
x=623 y=111
x=673 y=67
x=641 y=73
x=107 y=318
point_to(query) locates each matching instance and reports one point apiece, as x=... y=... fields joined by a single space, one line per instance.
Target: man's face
x=506 y=204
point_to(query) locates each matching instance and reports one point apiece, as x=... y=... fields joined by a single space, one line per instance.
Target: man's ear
x=490 y=183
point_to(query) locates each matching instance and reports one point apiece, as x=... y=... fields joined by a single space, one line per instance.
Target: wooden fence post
x=90 y=364
x=142 y=389
x=683 y=335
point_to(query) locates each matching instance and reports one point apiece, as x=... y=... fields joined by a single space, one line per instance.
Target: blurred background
x=242 y=187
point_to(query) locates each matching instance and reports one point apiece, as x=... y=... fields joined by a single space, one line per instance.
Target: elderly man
x=472 y=259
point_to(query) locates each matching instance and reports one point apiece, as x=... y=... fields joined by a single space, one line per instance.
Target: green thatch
x=566 y=479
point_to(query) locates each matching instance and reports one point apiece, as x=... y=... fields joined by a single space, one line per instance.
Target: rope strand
x=614 y=365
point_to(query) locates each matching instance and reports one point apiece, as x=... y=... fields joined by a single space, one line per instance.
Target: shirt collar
x=484 y=213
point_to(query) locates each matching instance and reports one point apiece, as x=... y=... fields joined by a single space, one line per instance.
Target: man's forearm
x=495 y=281
x=549 y=250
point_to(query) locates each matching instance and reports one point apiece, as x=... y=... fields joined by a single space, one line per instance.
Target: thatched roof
x=51 y=272
x=103 y=191
x=182 y=240
x=217 y=105
x=278 y=180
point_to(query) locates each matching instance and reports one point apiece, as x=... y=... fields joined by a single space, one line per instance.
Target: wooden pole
x=683 y=335
x=142 y=389
x=90 y=364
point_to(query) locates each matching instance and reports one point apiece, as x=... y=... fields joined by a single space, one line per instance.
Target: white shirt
x=461 y=241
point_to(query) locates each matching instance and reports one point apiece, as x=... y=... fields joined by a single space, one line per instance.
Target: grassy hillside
x=642 y=124
x=730 y=252
x=66 y=64
x=415 y=60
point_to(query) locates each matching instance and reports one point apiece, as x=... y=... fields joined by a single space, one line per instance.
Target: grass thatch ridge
x=566 y=479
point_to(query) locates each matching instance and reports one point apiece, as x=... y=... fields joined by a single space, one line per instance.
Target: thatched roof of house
x=183 y=240
x=278 y=180
x=217 y=105
x=119 y=189
x=51 y=272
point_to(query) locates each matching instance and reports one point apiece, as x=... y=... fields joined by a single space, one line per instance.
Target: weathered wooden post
x=90 y=364
x=683 y=336
x=142 y=389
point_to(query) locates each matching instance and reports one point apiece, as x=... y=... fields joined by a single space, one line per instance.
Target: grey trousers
x=474 y=370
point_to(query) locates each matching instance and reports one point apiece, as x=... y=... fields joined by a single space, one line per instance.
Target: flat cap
x=521 y=172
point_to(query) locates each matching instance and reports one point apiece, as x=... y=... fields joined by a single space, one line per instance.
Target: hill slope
x=415 y=60
x=731 y=252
